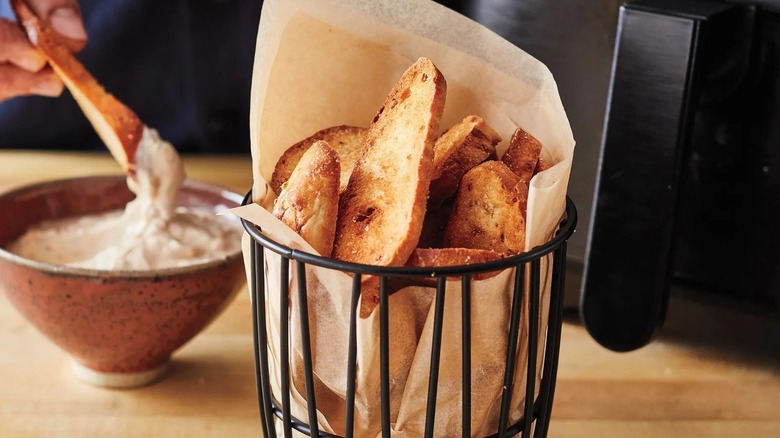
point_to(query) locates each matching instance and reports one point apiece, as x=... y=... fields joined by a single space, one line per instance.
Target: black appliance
x=688 y=189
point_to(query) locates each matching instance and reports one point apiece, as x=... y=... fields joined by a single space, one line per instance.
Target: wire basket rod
x=533 y=333
x=284 y=343
x=384 y=355
x=261 y=353
x=511 y=350
x=433 y=372
x=303 y=303
x=554 y=339
x=466 y=350
x=349 y=422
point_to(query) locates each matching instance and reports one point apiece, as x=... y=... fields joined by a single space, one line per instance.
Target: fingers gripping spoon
x=117 y=125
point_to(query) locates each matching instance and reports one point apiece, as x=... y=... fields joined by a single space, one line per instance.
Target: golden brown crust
x=465 y=145
x=308 y=202
x=541 y=166
x=383 y=207
x=345 y=140
x=116 y=124
x=522 y=154
x=382 y=210
x=487 y=211
x=522 y=157
x=434 y=257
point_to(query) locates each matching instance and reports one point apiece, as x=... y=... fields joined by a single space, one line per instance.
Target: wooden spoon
x=116 y=124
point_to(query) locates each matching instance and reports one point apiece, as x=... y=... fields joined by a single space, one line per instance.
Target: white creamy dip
x=151 y=232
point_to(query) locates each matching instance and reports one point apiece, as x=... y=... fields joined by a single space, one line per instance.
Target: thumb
x=64 y=17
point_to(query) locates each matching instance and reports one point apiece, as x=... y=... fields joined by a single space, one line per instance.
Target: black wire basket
x=538 y=401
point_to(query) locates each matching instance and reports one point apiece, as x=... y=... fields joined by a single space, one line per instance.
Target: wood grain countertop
x=711 y=373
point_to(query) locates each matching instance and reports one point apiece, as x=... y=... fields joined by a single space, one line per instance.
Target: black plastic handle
x=660 y=60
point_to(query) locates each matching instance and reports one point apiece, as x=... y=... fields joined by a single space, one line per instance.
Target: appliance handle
x=653 y=92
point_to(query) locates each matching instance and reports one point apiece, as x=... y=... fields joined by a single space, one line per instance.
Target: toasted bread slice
x=308 y=202
x=381 y=212
x=522 y=154
x=522 y=157
x=486 y=213
x=433 y=257
x=541 y=166
x=463 y=146
x=116 y=124
x=345 y=140
x=383 y=207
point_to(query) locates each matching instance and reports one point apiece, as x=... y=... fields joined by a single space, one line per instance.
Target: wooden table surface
x=711 y=373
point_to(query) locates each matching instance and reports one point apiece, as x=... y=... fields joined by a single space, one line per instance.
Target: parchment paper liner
x=326 y=63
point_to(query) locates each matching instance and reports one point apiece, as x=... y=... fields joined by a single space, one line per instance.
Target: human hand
x=23 y=69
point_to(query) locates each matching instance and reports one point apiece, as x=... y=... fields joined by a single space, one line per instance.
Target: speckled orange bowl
x=120 y=328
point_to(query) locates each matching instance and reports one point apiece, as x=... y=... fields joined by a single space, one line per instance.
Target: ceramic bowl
x=120 y=328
